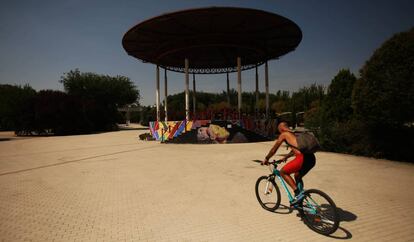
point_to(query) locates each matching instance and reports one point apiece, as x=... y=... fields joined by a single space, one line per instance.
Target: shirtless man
x=299 y=166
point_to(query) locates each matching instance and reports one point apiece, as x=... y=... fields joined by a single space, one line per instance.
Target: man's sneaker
x=297 y=200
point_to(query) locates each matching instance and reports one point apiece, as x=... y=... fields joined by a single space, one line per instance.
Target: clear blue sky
x=42 y=39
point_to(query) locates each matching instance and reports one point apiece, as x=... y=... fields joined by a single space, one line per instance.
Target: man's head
x=283 y=127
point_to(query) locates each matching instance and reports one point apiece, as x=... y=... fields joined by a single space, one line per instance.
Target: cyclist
x=299 y=166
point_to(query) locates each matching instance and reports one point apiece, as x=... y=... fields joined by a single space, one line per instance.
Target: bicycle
x=317 y=210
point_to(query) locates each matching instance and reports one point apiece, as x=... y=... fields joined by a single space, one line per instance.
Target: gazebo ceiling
x=212 y=39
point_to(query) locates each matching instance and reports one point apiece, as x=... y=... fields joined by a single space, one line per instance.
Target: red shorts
x=294 y=165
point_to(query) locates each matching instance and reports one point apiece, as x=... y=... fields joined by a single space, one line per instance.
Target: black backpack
x=307 y=142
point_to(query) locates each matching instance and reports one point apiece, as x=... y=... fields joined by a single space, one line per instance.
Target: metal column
x=228 y=89
x=239 y=88
x=157 y=93
x=165 y=95
x=187 y=101
x=257 y=92
x=194 y=97
x=267 y=89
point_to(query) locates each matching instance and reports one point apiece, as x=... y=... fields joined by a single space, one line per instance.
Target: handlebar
x=276 y=162
x=272 y=165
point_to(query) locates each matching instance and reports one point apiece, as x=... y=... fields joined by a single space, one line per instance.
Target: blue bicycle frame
x=276 y=172
x=310 y=207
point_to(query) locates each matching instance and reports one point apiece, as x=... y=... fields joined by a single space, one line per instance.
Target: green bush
x=16 y=107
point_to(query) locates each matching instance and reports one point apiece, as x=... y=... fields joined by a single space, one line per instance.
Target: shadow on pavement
x=346 y=216
x=283 y=209
x=347 y=234
x=72 y=161
x=341 y=233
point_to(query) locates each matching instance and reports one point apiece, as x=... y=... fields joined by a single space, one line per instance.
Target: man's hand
x=265 y=162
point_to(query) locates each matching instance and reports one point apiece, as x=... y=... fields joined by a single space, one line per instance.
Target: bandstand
x=209 y=40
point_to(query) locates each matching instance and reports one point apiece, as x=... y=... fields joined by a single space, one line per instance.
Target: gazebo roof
x=212 y=39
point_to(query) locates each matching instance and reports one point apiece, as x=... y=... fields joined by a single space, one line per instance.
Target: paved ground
x=113 y=187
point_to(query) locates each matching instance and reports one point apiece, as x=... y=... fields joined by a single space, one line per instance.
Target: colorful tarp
x=163 y=131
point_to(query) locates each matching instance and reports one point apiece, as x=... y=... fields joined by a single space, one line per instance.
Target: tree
x=302 y=99
x=331 y=112
x=338 y=101
x=118 y=90
x=279 y=106
x=384 y=93
x=383 y=98
x=100 y=96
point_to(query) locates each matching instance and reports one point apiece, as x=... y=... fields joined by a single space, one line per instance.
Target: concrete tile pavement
x=113 y=187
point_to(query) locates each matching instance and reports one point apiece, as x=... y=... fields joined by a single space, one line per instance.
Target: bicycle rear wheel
x=319 y=212
x=267 y=193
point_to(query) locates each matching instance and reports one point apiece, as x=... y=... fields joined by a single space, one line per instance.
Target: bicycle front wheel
x=267 y=193
x=319 y=212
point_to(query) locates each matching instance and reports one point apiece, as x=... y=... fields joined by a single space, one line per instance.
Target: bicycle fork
x=269 y=186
